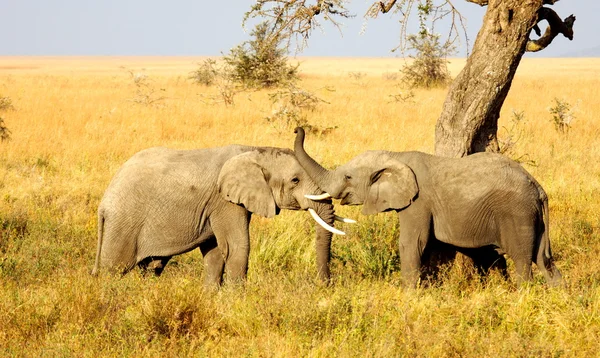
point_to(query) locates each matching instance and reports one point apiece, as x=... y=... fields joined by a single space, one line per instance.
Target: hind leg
x=548 y=269
x=518 y=242
x=214 y=263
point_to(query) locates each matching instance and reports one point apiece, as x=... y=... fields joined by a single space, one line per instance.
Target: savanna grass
x=74 y=123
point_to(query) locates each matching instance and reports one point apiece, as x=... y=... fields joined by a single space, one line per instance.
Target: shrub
x=260 y=62
x=207 y=73
x=292 y=103
x=6 y=104
x=562 y=115
x=429 y=67
x=4 y=132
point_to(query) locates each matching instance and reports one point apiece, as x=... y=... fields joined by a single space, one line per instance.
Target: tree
x=469 y=119
x=260 y=62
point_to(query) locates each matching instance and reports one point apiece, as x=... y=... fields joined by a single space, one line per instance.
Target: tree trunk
x=469 y=118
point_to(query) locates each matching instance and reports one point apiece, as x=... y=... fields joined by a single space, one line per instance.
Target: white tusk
x=318 y=197
x=345 y=220
x=320 y=221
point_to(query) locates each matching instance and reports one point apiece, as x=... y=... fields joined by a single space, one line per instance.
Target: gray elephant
x=484 y=200
x=166 y=202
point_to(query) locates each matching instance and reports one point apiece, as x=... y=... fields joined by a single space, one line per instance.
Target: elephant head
x=265 y=180
x=373 y=179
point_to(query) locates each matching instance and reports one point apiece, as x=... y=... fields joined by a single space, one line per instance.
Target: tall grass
x=75 y=123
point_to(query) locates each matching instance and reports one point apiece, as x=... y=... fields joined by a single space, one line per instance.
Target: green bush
x=207 y=73
x=260 y=62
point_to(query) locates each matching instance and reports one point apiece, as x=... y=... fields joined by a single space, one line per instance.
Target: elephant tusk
x=326 y=226
x=345 y=220
x=318 y=197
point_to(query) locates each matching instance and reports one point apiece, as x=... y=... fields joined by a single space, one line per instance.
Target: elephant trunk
x=323 y=239
x=323 y=177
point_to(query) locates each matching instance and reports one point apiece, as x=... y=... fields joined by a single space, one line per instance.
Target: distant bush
x=291 y=107
x=562 y=115
x=429 y=67
x=207 y=73
x=6 y=104
x=260 y=62
x=4 y=132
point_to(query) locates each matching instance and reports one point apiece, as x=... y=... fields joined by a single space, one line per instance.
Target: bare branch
x=386 y=8
x=555 y=26
x=295 y=19
x=437 y=12
x=479 y=2
x=485 y=2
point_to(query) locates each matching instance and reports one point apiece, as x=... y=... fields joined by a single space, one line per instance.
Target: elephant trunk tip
x=299 y=143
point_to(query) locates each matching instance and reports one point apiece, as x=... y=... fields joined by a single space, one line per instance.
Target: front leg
x=231 y=227
x=415 y=229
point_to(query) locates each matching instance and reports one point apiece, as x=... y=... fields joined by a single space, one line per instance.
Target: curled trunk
x=323 y=177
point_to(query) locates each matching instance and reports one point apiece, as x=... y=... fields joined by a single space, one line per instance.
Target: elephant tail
x=101 y=220
x=544 y=240
x=544 y=259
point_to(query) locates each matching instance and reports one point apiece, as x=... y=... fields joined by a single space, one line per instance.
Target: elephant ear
x=243 y=181
x=393 y=187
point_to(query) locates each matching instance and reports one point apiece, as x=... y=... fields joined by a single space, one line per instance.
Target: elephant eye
x=347 y=177
x=295 y=180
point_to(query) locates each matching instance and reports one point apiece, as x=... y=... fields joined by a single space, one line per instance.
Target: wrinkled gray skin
x=166 y=202
x=484 y=200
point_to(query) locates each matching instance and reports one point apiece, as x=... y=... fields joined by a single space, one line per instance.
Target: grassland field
x=75 y=121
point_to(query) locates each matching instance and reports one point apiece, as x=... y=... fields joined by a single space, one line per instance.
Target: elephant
x=484 y=201
x=165 y=202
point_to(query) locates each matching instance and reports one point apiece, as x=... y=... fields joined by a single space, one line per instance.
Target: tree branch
x=485 y=2
x=295 y=19
x=555 y=26
x=479 y=2
x=386 y=8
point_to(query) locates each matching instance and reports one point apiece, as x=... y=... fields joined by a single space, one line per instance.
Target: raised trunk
x=321 y=176
x=469 y=119
x=323 y=240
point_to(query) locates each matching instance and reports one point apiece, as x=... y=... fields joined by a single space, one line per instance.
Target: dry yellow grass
x=75 y=123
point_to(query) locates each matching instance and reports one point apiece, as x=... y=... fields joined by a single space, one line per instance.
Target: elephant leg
x=486 y=259
x=523 y=268
x=156 y=265
x=436 y=255
x=214 y=263
x=519 y=243
x=415 y=232
x=231 y=228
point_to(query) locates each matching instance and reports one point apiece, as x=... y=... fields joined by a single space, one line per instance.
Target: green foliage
x=260 y=62
x=429 y=67
x=207 y=73
x=372 y=251
x=562 y=115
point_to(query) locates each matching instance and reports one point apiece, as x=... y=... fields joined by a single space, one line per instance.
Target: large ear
x=243 y=181
x=392 y=187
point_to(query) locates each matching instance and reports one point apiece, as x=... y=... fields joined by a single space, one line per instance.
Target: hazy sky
x=205 y=27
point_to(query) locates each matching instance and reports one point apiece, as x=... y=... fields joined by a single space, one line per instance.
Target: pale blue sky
x=207 y=28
